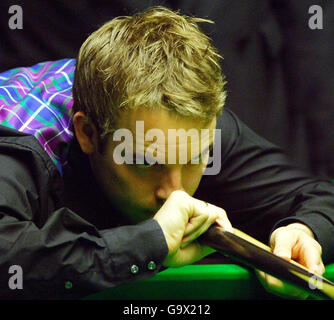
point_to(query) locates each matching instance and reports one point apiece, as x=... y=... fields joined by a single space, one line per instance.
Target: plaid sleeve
x=37 y=100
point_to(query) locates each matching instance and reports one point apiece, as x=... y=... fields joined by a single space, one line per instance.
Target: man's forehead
x=161 y=119
x=161 y=134
x=174 y=139
x=161 y=137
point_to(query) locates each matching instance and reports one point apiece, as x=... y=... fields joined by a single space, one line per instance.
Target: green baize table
x=194 y=282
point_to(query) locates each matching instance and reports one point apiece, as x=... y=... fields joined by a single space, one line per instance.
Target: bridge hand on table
x=293 y=242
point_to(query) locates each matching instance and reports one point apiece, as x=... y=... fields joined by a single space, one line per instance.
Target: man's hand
x=294 y=241
x=183 y=219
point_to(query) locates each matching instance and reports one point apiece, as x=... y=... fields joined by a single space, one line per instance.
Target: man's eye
x=146 y=164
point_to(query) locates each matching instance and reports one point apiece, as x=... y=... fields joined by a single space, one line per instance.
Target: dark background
x=280 y=73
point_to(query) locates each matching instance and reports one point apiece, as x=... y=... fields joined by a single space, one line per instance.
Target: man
x=75 y=207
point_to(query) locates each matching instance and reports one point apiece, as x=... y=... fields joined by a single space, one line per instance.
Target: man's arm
x=54 y=245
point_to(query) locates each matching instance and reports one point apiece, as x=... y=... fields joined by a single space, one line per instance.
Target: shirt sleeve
x=261 y=190
x=62 y=256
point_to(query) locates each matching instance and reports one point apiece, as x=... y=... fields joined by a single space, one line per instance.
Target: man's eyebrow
x=144 y=155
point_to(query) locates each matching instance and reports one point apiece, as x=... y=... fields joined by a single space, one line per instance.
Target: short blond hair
x=154 y=59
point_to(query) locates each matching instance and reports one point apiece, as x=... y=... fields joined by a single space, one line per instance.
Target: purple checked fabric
x=37 y=100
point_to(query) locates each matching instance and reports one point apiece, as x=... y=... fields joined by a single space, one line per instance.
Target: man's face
x=139 y=190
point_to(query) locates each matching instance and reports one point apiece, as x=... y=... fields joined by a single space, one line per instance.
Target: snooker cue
x=253 y=253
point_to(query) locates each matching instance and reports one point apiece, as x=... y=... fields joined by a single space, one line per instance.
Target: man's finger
x=222 y=219
x=203 y=213
x=210 y=219
x=207 y=213
x=195 y=223
x=309 y=254
x=282 y=244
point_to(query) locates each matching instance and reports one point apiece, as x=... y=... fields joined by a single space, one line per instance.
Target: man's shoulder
x=23 y=146
x=28 y=174
x=228 y=121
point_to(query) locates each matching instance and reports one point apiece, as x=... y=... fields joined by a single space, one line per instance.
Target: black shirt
x=62 y=229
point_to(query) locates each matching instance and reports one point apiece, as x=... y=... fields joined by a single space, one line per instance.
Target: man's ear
x=85 y=132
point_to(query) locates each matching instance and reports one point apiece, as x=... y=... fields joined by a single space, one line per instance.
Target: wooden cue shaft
x=255 y=254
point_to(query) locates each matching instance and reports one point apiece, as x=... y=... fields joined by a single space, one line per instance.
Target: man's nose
x=170 y=181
